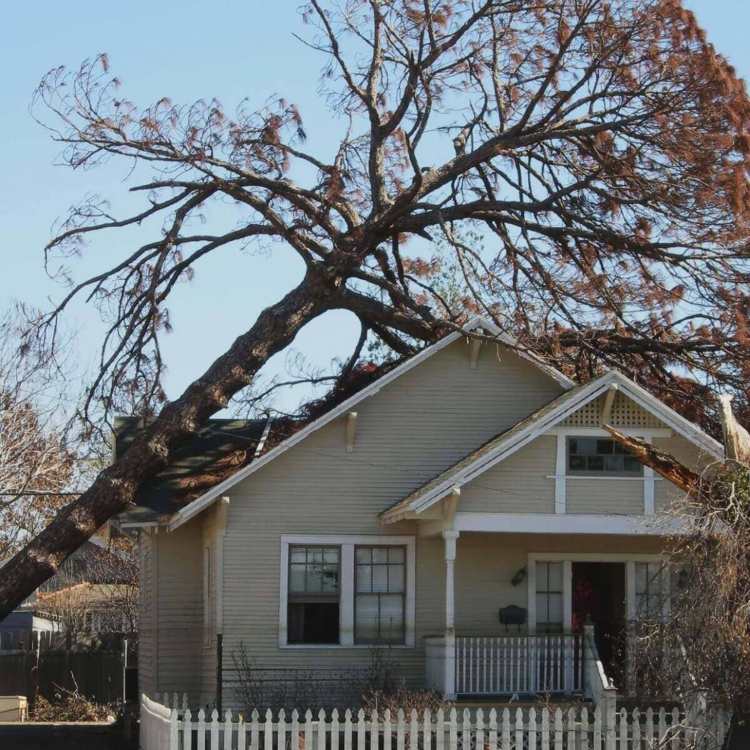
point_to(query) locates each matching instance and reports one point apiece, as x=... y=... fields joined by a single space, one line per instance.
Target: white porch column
x=449 y=676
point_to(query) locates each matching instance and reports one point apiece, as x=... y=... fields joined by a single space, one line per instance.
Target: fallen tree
x=576 y=171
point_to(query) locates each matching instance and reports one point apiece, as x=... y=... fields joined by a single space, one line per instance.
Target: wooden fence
x=165 y=728
x=99 y=675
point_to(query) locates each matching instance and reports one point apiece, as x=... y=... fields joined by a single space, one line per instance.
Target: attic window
x=313 y=609
x=593 y=456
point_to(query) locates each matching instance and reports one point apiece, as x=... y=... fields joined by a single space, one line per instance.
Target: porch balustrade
x=531 y=664
x=506 y=665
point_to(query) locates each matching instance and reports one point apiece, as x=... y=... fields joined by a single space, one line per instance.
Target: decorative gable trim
x=478 y=323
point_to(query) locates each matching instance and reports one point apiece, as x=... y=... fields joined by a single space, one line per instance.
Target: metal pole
x=219 y=675
x=124 y=670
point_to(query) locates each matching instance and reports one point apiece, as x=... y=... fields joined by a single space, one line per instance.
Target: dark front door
x=599 y=596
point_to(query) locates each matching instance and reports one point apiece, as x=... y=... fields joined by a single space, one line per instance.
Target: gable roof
x=528 y=429
x=475 y=324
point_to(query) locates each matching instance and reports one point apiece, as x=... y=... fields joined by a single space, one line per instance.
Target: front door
x=599 y=596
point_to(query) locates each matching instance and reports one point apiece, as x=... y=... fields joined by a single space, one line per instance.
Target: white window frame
x=347 y=543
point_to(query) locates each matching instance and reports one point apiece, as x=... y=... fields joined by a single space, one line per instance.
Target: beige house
x=466 y=511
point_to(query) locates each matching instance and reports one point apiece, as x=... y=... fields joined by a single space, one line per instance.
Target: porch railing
x=527 y=664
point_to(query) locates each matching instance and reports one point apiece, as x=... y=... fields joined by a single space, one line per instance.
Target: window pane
x=604 y=447
x=364 y=555
x=298 y=555
x=395 y=578
x=379 y=578
x=555 y=608
x=577 y=463
x=364 y=578
x=380 y=555
x=366 y=625
x=542 y=611
x=331 y=579
x=297 y=578
x=595 y=463
x=314 y=578
x=313 y=622
x=331 y=556
x=396 y=554
x=631 y=464
x=555 y=576
x=392 y=618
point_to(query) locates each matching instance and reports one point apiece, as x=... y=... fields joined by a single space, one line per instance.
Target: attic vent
x=625 y=413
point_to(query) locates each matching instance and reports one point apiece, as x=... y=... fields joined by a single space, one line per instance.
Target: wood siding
x=499 y=488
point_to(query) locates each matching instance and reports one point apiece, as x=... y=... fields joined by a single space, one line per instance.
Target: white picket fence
x=178 y=728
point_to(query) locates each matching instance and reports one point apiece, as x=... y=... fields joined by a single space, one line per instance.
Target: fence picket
x=214 y=730
x=400 y=731
x=309 y=729
x=505 y=730
x=374 y=730
x=426 y=731
x=636 y=730
x=255 y=731
x=479 y=736
x=584 y=743
x=597 y=735
x=413 y=730
x=321 y=731
x=519 y=728
x=453 y=728
x=572 y=727
x=187 y=730
x=558 y=729
x=545 y=728
x=280 y=730
x=532 y=729
x=492 y=744
x=201 y=739
x=466 y=730
x=174 y=729
x=241 y=733
x=439 y=731
x=623 y=730
x=387 y=730
x=294 y=731
x=334 y=731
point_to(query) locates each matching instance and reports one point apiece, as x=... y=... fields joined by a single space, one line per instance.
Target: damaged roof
x=220 y=446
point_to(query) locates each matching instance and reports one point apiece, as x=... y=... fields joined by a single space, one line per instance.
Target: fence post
x=124 y=670
x=219 y=669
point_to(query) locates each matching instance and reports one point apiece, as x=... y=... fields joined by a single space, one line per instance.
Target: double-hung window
x=313 y=609
x=380 y=594
x=347 y=591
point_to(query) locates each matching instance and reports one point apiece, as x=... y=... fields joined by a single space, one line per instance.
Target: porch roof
x=523 y=432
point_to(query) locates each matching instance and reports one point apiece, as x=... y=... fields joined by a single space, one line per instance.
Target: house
x=466 y=511
x=91 y=593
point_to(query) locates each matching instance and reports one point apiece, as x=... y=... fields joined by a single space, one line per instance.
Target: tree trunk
x=116 y=486
x=662 y=463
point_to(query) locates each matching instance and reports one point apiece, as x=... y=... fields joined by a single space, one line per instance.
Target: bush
x=68 y=705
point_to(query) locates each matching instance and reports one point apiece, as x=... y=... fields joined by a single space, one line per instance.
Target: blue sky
x=184 y=50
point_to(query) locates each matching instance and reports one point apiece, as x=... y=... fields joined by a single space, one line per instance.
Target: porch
x=561 y=618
